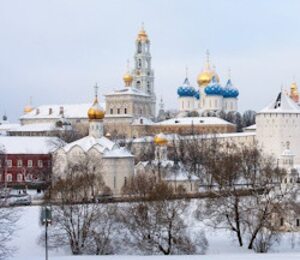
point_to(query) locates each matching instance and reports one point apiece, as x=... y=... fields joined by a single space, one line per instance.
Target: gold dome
x=294 y=92
x=206 y=75
x=28 y=109
x=160 y=139
x=142 y=35
x=95 y=112
x=128 y=78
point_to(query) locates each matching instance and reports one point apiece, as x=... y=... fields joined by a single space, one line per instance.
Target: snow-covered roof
x=38 y=127
x=103 y=145
x=142 y=121
x=88 y=142
x=282 y=104
x=250 y=128
x=6 y=127
x=127 y=91
x=69 y=111
x=194 y=121
x=121 y=152
x=171 y=137
x=27 y=145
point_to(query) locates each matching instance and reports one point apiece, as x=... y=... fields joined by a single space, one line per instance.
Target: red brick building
x=25 y=160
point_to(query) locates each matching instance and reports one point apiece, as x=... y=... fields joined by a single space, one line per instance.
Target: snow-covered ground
x=221 y=245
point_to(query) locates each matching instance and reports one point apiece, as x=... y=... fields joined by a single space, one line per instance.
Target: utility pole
x=46 y=219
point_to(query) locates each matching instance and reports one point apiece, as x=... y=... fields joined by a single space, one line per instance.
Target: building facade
x=25 y=160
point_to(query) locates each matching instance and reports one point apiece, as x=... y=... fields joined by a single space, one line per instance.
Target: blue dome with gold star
x=186 y=90
x=230 y=91
x=214 y=88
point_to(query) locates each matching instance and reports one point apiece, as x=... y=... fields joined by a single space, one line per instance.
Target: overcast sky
x=56 y=50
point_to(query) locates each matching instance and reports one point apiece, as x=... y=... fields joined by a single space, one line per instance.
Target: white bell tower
x=143 y=75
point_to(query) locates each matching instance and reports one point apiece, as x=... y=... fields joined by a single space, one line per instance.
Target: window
x=118 y=110
x=8 y=177
x=125 y=181
x=139 y=48
x=19 y=163
x=148 y=87
x=298 y=222
x=125 y=110
x=29 y=163
x=281 y=222
x=40 y=163
x=139 y=63
x=19 y=177
x=9 y=163
x=111 y=111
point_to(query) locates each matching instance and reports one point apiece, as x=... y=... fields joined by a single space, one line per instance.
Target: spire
x=186 y=71
x=229 y=73
x=96 y=92
x=128 y=66
x=207 y=56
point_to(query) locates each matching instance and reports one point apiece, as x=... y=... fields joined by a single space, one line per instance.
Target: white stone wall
x=230 y=104
x=274 y=130
x=114 y=171
x=117 y=173
x=186 y=104
x=213 y=103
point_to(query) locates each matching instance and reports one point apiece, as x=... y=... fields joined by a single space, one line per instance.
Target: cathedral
x=211 y=96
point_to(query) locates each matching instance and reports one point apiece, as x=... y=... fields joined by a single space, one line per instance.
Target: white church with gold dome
x=210 y=96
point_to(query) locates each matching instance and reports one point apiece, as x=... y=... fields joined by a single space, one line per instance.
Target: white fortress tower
x=278 y=125
x=143 y=75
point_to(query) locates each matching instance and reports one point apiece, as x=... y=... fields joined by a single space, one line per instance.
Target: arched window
x=19 y=177
x=8 y=177
x=139 y=50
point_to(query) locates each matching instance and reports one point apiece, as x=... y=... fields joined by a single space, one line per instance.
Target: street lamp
x=46 y=219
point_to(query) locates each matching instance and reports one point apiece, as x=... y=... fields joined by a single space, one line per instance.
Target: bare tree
x=76 y=219
x=249 y=118
x=247 y=184
x=156 y=223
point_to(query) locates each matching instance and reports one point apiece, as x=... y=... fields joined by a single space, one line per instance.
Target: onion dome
x=160 y=139
x=186 y=90
x=95 y=111
x=142 y=35
x=214 y=88
x=206 y=75
x=128 y=78
x=28 y=108
x=230 y=91
x=294 y=92
x=197 y=95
